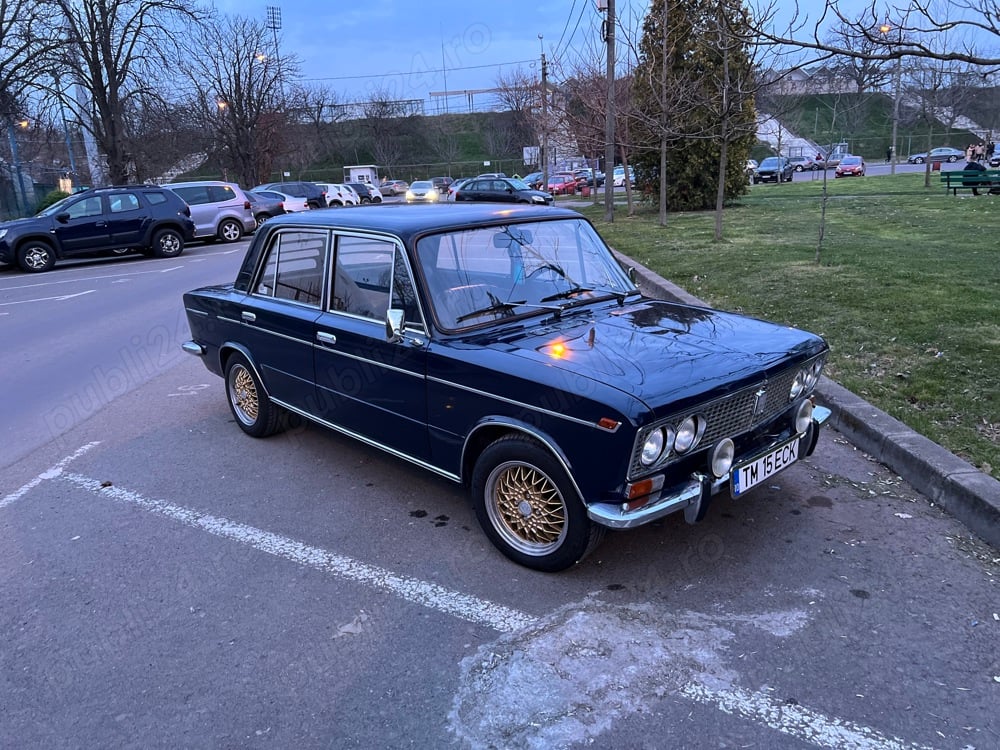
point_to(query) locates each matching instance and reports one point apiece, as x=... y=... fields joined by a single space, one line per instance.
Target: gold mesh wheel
x=526 y=508
x=243 y=394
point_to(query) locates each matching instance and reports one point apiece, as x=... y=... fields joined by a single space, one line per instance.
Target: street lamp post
x=16 y=160
x=885 y=28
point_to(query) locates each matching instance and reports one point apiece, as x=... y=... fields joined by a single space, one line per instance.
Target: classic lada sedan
x=504 y=347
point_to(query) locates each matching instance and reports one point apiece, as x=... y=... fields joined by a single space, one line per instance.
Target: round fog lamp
x=803 y=417
x=722 y=457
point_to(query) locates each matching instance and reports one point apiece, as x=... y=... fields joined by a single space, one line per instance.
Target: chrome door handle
x=249 y=317
x=326 y=338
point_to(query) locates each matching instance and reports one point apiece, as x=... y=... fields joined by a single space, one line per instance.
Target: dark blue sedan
x=503 y=347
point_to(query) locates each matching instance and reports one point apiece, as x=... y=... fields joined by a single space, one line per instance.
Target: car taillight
x=246 y=205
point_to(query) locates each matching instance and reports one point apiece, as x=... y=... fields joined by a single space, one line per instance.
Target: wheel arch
x=490 y=429
x=228 y=349
x=46 y=239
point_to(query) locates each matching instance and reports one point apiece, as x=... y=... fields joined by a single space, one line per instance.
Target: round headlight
x=652 y=449
x=798 y=385
x=803 y=417
x=722 y=457
x=687 y=435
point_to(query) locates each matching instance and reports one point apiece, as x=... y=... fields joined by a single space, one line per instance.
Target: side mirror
x=394 y=321
x=630 y=271
x=63 y=217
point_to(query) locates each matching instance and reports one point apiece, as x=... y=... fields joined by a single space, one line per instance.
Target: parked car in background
x=774 y=169
x=394 y=187
x=492 y=341
x=442 y=183
x=263 y=207
x=533 y=180
x=366 y=193
x=502 y=190
x=292 y=203
x=422 y=191
x=944 y=153
x=337 y=195
x=802 y=163
x=219 y=210
x=618 y=175
x=850 y=166
x=347 y=194
x=99 y=221
x=589 y=177
x=491 y=174
x=454 y=187
x=562 y=183
x=313 y=193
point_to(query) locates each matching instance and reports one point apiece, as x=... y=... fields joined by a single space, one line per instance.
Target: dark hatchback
x=505 y=348
x=99 y=221
x=501 y=190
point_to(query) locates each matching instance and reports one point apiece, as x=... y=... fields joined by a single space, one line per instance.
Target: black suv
x=97 y=221
x=315 y=195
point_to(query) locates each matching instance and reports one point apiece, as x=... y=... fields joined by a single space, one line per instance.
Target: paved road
x=167 y=581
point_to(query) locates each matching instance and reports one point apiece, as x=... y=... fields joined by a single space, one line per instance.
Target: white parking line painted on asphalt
x=51 y=473
x=797 y=721
x=792 y=720
x=48 y=299
x=463 y=606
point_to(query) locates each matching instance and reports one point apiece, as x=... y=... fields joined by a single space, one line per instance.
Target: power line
x=425 y=70
x=557 y=53
x=568 y=19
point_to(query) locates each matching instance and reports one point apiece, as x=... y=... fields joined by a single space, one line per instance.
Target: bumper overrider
x=693 y=495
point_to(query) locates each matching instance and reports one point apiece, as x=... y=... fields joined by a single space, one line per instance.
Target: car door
x=127 y=219
x=83 y=226
x=367 y=385
x=278 y=315
x=500 y=190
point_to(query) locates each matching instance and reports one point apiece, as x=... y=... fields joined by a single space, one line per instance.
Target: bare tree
x=116 y=51
x=25 y=37
x=239 y=95
x=385 y=118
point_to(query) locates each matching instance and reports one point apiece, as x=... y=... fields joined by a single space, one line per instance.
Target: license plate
x=760 y=469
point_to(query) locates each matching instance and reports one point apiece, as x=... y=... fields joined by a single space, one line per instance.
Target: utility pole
x=543 y=151
x=609 y=117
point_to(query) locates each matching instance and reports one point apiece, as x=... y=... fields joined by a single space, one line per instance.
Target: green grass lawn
x=906 y=291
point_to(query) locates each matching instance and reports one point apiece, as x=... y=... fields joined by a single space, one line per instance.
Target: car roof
x=406 y=221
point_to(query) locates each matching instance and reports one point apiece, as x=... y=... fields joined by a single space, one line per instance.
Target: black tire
x=918 y=160
x=252 y=409
x=952 y=159
x=167 y=243
x=365 y=199
x=376 y=199
x=799 y=167
x=528 y=508
x=262 y=218
x=36 y=256
x=230 y=230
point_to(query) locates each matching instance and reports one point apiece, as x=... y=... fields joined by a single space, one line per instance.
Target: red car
x=562 y=183
x=851 y=166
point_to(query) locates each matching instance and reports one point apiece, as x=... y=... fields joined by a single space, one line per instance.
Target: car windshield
x=771 y=161
x=56 y=207
x=421 y=185
x=848 y=160
x=519 y=184
x=483 y=274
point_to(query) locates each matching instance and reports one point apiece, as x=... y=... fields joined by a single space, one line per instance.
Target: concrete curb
x=956 y=485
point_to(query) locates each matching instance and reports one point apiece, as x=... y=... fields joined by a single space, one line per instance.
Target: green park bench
x=972 y=179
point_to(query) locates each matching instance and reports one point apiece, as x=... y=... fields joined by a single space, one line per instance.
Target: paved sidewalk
x=945 y=479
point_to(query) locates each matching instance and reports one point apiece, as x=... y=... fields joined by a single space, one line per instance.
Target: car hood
x=667 y=355
x=29 y=222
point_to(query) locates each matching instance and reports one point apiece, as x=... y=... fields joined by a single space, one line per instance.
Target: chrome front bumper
x=691 y=497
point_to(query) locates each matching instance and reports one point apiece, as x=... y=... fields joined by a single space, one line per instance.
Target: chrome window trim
x=203 y=313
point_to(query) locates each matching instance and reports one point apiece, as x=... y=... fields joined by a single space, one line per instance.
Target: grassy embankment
x=906 y=291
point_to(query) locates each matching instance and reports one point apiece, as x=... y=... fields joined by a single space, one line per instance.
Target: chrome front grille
x=729 y=416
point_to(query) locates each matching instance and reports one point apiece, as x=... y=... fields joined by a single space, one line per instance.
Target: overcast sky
x=413 y=47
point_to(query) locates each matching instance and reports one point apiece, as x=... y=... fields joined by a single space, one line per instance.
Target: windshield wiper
x=567 y=293
x=495 y=306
